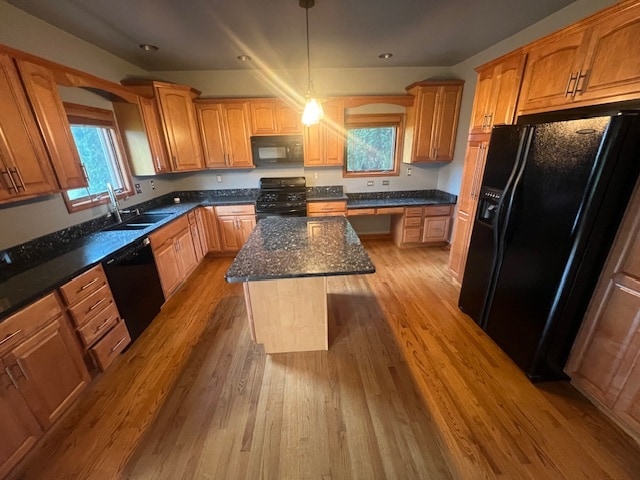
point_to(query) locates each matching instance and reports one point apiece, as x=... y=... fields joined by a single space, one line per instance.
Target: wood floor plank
x=410 y=388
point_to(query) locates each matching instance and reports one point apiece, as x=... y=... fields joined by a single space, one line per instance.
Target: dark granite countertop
x=400 y=199
x=293 y=247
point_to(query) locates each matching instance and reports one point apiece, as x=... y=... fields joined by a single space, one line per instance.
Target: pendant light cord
x=308 y=54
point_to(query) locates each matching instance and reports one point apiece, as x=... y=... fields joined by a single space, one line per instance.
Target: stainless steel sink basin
x=139 y=222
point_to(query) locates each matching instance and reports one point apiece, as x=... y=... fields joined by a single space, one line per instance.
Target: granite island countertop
x=294 y=247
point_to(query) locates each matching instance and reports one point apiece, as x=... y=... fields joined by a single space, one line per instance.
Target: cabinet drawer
x=98 y=325
x=413 y=211
x=83 y=285
x=20 y=325
x=413 y=221
x=169 y=231
x=327 y=207
x=411 y=235
x=223 y=210
x=106 y=350
x=390 y=211
x=437 y=210
x=354 y=212
x=91 y=306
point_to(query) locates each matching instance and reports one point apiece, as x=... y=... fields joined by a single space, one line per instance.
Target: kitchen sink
x=139 y=222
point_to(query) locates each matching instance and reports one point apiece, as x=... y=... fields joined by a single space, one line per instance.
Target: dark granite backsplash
x=327 y=191
x=213 y=195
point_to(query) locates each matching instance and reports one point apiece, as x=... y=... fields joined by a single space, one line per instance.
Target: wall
x=450 y=176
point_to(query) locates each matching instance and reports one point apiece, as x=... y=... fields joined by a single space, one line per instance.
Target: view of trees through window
x=97 y=153
x=371 y=149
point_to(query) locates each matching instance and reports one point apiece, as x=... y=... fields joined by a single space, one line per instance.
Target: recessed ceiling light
x=147 y=47
x=385 y=55
x=243 y=58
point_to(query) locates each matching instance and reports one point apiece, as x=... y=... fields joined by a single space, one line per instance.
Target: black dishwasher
x=135 y=284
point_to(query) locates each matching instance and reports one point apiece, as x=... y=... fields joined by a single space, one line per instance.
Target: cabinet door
x=186 y=253
x=178 y=118
x=448 y=108
x=460 y=245
x=474 y=161
x=333 y=131
x=197 y=245
x=263 y=117
x=627 y=406
x=169 y=269
x=228 y=227
x=246 y=225
x=506 y=90
x=313 y=148
x=24 y=166
x=211 y=122
x=611 y=68
x=202 y=230
x=20 y=429
x=49 y=370
x=211 y=224
x=153 y=127
x=238 y=135
x=485 y=86
x=47 y=106
x=287 y=119
x=436 y=229
x=425 y=124
x=551 y=72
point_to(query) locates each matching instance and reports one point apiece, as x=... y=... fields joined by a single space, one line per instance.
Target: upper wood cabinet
x=177 y=113
x=24 y=165
x=432 y=122
x=496 y=93
x=224 y=127
x=42 y=91
x=273 y=117
x=324 y=143
x=605 y=358
x=141 y=129
x=592 y=62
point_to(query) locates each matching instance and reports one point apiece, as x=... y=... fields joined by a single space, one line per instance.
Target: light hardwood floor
x=410 y=388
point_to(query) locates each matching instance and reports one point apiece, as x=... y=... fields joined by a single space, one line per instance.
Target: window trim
x=375 y=120
x=99 y=117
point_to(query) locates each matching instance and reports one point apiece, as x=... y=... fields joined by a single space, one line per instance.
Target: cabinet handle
x=103 y=324
x=489 y=120
x=24 y=374
x=13 y=380
x=17 y=172
x=434 y=155
x=158 y=166
x=12 y=183
x=569 y=89
x=474 y=184
x=84 y=287
x=115 y=347
x=484 y=122
x=579 y=86
x=9 y=337
x=95 y=305
x=173 y=160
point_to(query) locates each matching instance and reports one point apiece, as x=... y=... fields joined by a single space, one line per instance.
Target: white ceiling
x=210 y=34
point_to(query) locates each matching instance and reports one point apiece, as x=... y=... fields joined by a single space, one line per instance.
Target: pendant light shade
x=312 y=113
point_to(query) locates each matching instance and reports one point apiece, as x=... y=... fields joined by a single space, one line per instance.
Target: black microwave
x=277 y=150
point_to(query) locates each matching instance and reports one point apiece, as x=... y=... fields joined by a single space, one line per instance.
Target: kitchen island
x=284 y=267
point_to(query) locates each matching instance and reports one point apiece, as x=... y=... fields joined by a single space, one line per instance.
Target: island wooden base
x=288 y=315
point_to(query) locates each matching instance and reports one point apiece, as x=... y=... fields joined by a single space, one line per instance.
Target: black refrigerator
x=552 y=198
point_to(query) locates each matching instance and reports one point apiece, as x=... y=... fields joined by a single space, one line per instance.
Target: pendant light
x=312 y=113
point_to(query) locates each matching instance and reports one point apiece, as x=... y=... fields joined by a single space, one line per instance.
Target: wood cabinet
x=198 y=233
x=177 y=114
x=94 y=313
x=141 y=129
x=496 y=95
x=274 y=117
x=590 y=62
x=43 y=359
x=605 y=358
x=212 y=230
x=324 y=143
x=432 y=121
x=335 y=208
x=475 y=158
x=235 y=224
x=225 y=132
x=174 y=252
x=426 y=225
x=20 y=430
x=24 y=165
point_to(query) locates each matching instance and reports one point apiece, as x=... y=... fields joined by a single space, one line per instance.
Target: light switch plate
x=138 y=188
x=385 y=182
x=370 y=183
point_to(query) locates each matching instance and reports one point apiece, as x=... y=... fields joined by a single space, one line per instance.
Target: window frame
x=78 y=114
x=375 y=120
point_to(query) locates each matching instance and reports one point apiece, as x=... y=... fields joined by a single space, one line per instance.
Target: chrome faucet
x=115 y=207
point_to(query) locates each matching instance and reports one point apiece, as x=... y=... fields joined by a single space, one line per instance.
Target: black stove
x=280 y=196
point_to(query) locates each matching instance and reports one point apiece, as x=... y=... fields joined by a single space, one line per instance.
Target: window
x=374 y=144
x=96 y=136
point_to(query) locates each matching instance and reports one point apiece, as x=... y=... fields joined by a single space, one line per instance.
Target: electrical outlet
x=385 y=182
x=219 y=178
x=409 y=172
x=369 y=183
x=315 y=175
x=138 y=188
x=153 y=185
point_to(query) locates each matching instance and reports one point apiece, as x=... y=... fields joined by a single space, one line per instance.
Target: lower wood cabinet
x=174 y=251
x=42 y=374
x=235 y=224
x=422 y=225
x=336 y=208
